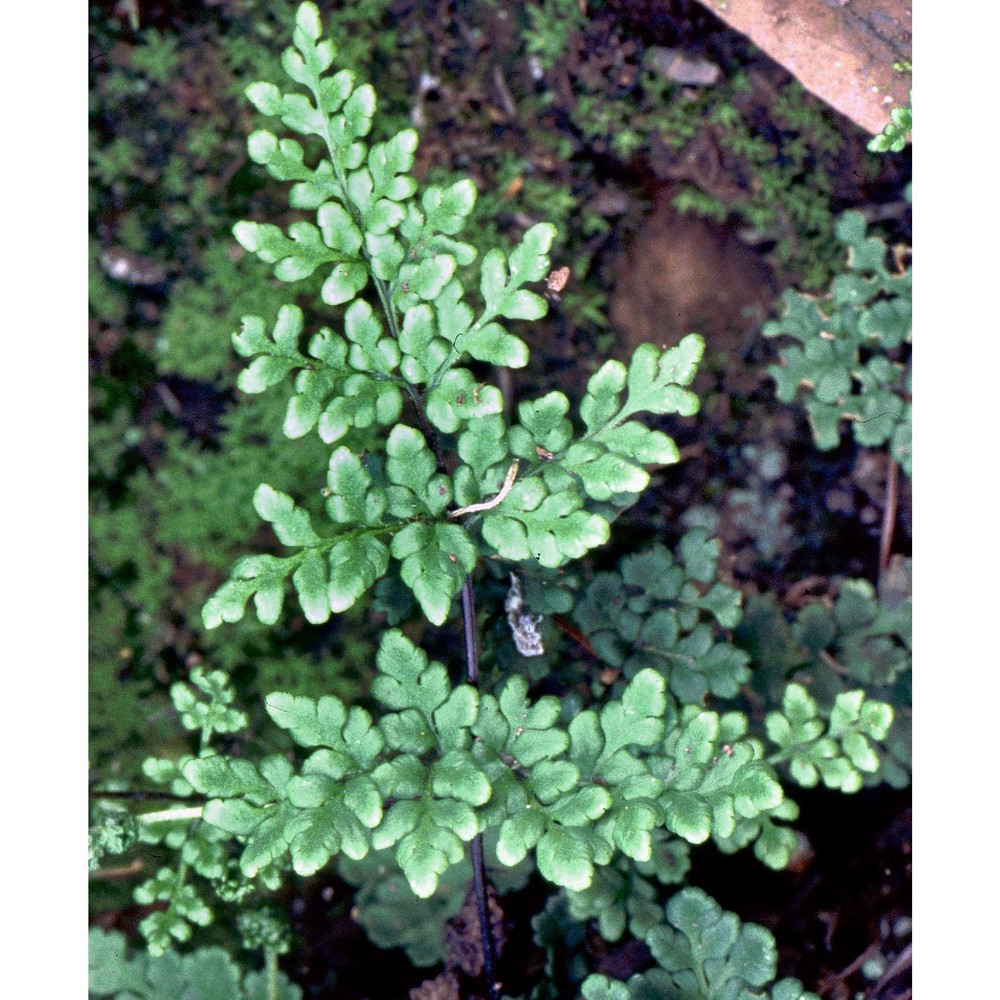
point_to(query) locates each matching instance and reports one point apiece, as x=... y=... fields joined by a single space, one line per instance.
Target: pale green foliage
x=703 y=953
x=446 y=762
x=261 y=928
x=896 y=132
x=205 y=706
x=114 y=834
x=205 y=974
x=852 y=359
x=667 y=614
x=544 y=517
x=836 y=750
x=185 y=907
x=210 y=710
x=395 y=502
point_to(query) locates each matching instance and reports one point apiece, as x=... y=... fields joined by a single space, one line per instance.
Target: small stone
x=130 y=268
x=682 y=68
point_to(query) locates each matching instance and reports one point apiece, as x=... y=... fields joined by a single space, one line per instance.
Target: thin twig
x=498 y=499
x=835 y=665
x=170 y=815
x=888 y=516
x=123 y=871
x=169 y=400
x=482 y=904
x=577 y=636
x=902 y=962
x=833 y=979
x=506 y=97
x=478 y=864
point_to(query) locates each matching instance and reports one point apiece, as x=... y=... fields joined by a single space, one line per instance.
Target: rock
x=682 y=68
x=843 y=52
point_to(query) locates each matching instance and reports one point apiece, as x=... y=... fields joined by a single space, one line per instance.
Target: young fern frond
x=852 y=359
x=837 y=750
x=206 y=707
x=404 y=360
x=896 y=131
x=446 y=762
x=657 y=611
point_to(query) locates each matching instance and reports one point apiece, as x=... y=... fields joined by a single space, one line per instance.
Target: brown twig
x=834 y=978
x=835 y=665
x=888 y=516
x=576 y=635
x=902 y=962
x=798 y=596
x=123 y=871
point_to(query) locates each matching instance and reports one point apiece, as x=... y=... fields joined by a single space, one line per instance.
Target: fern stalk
x=476 y=846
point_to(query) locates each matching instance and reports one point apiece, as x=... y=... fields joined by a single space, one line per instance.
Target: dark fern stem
x=472 y=676
x=478 y=864
x=143 y=795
